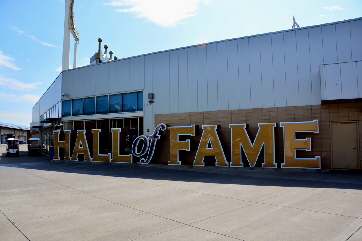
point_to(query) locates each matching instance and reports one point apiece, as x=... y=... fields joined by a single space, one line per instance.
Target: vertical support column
x=66 y=40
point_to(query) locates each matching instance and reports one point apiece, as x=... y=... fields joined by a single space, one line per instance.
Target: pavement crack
x=13 y=223
x=354 y=233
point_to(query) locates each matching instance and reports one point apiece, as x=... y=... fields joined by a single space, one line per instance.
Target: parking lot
x=43 y=200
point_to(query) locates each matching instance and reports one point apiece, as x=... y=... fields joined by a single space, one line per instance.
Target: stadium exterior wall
x=306 y=74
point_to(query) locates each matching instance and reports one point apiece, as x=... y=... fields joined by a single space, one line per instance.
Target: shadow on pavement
x=244 y=176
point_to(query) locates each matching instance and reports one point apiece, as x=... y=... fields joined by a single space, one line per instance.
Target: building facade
x=298 y=75
x=19 y=132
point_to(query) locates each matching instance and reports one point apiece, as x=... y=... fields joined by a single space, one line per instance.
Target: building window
x=66 y=108
x=77 y=107
x=89 y=106
x=130 y=102
x=102 y=104
x=140 y=101
x=115 y=103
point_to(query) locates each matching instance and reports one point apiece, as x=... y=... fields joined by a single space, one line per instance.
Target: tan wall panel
x=321 y=143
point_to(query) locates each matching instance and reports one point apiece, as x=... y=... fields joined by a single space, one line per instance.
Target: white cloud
x=7 y=61
x=32 y=37
x=29 y=99
x=165 y=13
x=59 y=69
x=330 y=15
x=17 y=85
x=83 y=62
x=332 y=8
x=14 y=115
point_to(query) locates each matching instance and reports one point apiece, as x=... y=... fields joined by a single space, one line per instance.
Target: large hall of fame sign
x=209 y=145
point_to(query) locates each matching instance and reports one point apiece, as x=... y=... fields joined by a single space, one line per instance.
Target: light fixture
x=151 y=96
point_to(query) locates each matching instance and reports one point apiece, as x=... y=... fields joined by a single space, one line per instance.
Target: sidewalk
x=43 y=200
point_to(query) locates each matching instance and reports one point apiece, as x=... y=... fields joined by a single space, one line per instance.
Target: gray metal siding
x=174 y=82
x=342 y=80
x=270 y=70
x=233 y=75
x=202 y=84
x=192 y=79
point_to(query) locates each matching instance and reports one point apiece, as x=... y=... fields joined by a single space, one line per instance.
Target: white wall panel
x=78 y=82
x=212 y=77
x=255 y=73
x=244 y=73
x=85 y=79
x=280 y=92
x=359 y=78
x=315 y=59
x=111 y=76
x=192 y=78
x=161 y=83
x=183 y=91
x=118 y=76
x=51 y=97
x=291 y=68
x=99 y=80
x=222 y=79
x=349 y=80
x=104 y=69
x=233 y=75
x=304 y=74
x=343 y=37
x=341 y=81
x=332 y=81
x=329 y=43
x=80 y=74
x=66 y=86
x=148 y=110
x=137 y=73
x=92 y=80
x=267 y=81
x=202 y=97
x=36 y=114
x=174 y=83
x=356 y=36
x=124 y=80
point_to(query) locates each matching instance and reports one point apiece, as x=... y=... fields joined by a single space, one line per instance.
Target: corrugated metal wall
x=270 y=70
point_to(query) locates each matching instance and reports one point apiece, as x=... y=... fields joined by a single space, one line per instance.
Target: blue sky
x=32 y=34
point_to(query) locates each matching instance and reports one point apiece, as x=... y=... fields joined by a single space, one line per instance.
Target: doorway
x=344 y=138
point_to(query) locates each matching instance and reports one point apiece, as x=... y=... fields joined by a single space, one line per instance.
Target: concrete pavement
x=43 y=200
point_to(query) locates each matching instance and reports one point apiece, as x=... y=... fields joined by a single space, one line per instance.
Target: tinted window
x=89 y=106
x=77 y=107
x=115 y=103
x=102 y=105
x=66 y=108
x=130 y=102
x=140 y=101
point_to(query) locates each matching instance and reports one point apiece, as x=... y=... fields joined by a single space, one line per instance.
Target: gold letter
x=96 y=155
x=240 y=138
x=210 y=138
x=64 y=144
x=81 y=146
x=176 y=145
x=115 y=147
x=291 y=144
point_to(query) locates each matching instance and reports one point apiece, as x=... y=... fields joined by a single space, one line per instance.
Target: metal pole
x=66 y=40
x=75 y=55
